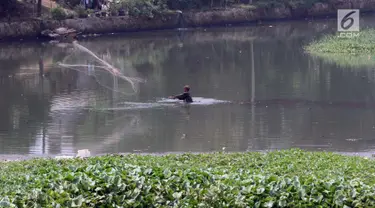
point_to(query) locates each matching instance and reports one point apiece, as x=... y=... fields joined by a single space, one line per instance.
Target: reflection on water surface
x=279 y=96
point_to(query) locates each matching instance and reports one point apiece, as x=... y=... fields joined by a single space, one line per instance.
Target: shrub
x=81 y=11
x=183 y=4
x=58 y=13
x=286 y=3
x=199 y=4
x=146 y=8
x=69 y=3
x=113 y=12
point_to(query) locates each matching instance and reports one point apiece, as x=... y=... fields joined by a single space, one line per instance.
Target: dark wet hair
x=187 y=88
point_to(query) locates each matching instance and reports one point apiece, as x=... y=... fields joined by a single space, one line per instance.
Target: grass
x=352 y=52
x=290 y=178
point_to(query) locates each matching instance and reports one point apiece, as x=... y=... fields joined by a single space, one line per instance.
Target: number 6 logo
x=348 y=20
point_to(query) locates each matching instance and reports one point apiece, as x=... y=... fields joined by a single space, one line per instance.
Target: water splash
x=197 y=101
x=163 y=103
x=136 y=105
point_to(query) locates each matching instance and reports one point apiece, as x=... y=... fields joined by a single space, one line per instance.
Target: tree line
x=9 y=6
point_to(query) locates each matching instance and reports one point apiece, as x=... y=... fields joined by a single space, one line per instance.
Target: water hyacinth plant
x=361 y=44
x=355 y=51
x=290 y=178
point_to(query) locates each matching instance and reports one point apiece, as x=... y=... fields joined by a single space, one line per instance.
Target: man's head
x=186 y=88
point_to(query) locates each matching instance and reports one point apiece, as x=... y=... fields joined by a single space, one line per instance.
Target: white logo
x=348 y=20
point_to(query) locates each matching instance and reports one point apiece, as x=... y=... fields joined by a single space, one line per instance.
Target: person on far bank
x=185 y=96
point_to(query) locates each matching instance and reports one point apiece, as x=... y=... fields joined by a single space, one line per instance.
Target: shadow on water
x=291 y=99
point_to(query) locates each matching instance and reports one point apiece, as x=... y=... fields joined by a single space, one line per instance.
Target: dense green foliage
x=199 y=4
x=140 y=7
x=149 y=8
x=70 y=3
x=58 y=13
x=207 y=4
x=363 y=44
x=292 y=178
x=293 y=4
x=355 y=51
x=81 y=11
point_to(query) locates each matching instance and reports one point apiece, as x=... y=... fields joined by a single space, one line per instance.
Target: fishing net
x=105 y=74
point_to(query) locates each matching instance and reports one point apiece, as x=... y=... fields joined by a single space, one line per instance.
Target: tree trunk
x=39 y=8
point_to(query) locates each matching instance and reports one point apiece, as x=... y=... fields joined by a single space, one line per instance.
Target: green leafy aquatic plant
x=361 y=44
x=290 y=178
x=358 y=51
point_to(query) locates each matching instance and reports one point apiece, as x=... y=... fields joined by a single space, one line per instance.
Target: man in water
x=184 y=96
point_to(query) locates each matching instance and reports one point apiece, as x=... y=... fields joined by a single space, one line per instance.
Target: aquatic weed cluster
x=345 y=51
x=290 y=178
x=363 y=44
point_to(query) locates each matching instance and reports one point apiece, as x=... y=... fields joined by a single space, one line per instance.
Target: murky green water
x=301 y=101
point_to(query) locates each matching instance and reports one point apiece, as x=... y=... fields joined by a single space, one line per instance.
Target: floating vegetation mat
x=356 y=51
x=290 y=178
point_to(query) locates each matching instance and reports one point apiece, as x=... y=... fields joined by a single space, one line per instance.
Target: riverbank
x=176 y=19
x=290 y=178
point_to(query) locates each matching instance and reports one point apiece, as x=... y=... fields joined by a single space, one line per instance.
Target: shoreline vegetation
x=287 y=178
x=356 y=51
x=144 y=15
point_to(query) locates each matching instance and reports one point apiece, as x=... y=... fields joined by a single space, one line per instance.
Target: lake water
x=290 y=98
